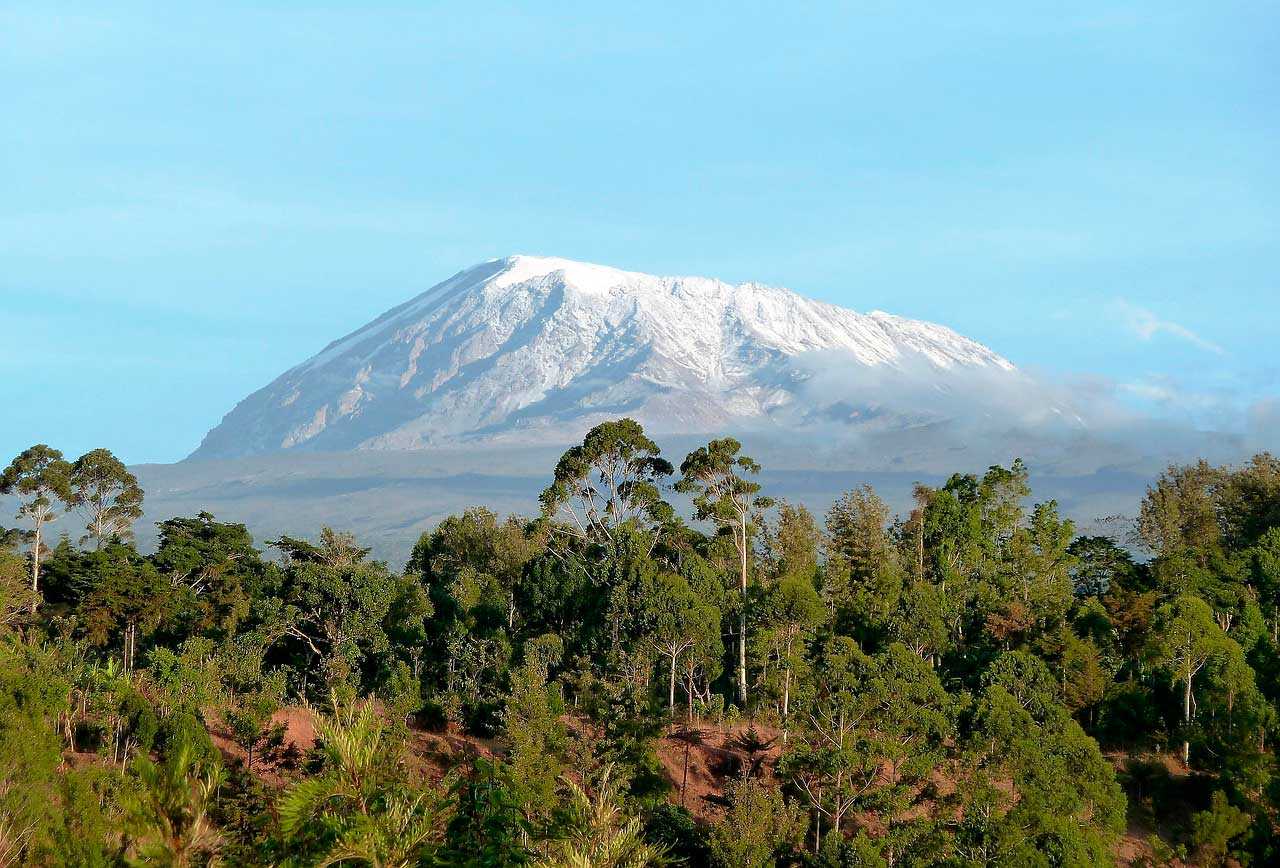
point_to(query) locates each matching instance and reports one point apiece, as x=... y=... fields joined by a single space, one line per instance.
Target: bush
x=673 y=828
x=759 y=827
x=183 y=727
x=1212 y=830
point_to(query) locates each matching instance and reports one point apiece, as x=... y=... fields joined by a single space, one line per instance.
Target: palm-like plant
x=375 y=819
x=15 y=833
x=169 y=819
x=751 y=743
x=597 y=833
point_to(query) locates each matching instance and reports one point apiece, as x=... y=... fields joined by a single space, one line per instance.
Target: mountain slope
x=532 y=350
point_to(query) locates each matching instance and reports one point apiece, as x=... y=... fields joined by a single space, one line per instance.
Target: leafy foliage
x=609 y=684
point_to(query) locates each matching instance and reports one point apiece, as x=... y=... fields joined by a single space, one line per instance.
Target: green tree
x=359 y=809
x=16 y=595
x=874 y=729
x=1098 y=564
x=1250 y=500
x=1064 y=804
x=488 y=828
x=1264 y=568
x=108 y=495
x=86 y=832
x=921 y=622
x=1186 y=639
x=1084 y=680
x=169 y=819
x=682 y=622
x=792 y=543
x=128 y=598
x=759 y=827
x=1041 y=562
x=476 y=543
x=31 y=700
x=596 y=832
x=216 y=570
x=715 y=475
x=863 y=579
x=968 y=530
x=337 y=605
x=792 y=614
x=1180 y=513
x=1213 y=830
x=249 y=719
x=535 y=736
x=612 y=479
x=40 y=477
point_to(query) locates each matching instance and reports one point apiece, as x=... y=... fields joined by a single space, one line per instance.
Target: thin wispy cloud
x=1146 y=324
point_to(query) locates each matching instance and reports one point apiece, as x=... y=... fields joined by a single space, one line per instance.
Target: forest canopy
x=612 y=683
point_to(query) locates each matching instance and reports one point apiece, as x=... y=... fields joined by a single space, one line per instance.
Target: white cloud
x=912 y=413
x=1146 y=325
x=1264 y=424
x=1150 y=391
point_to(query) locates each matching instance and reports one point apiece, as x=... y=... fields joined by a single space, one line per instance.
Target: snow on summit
x=538 y=349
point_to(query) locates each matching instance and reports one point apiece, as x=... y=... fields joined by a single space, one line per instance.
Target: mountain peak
x=537 y=348
x=583 y=276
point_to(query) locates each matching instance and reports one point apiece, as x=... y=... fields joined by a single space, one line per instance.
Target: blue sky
x=194 y=200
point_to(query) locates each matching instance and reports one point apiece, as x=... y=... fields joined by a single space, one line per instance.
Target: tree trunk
x=35 y=568
x=671 y=698
x=786 y=692
x=689 y=688
x=920 y=552
x=1186 y=719
x=684 y=781
x=742 y=620
x=127 y=651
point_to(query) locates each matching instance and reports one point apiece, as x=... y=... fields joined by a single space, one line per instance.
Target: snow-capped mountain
x=535 y=350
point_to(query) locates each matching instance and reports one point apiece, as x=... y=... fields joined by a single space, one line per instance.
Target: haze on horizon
x=198 y=200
